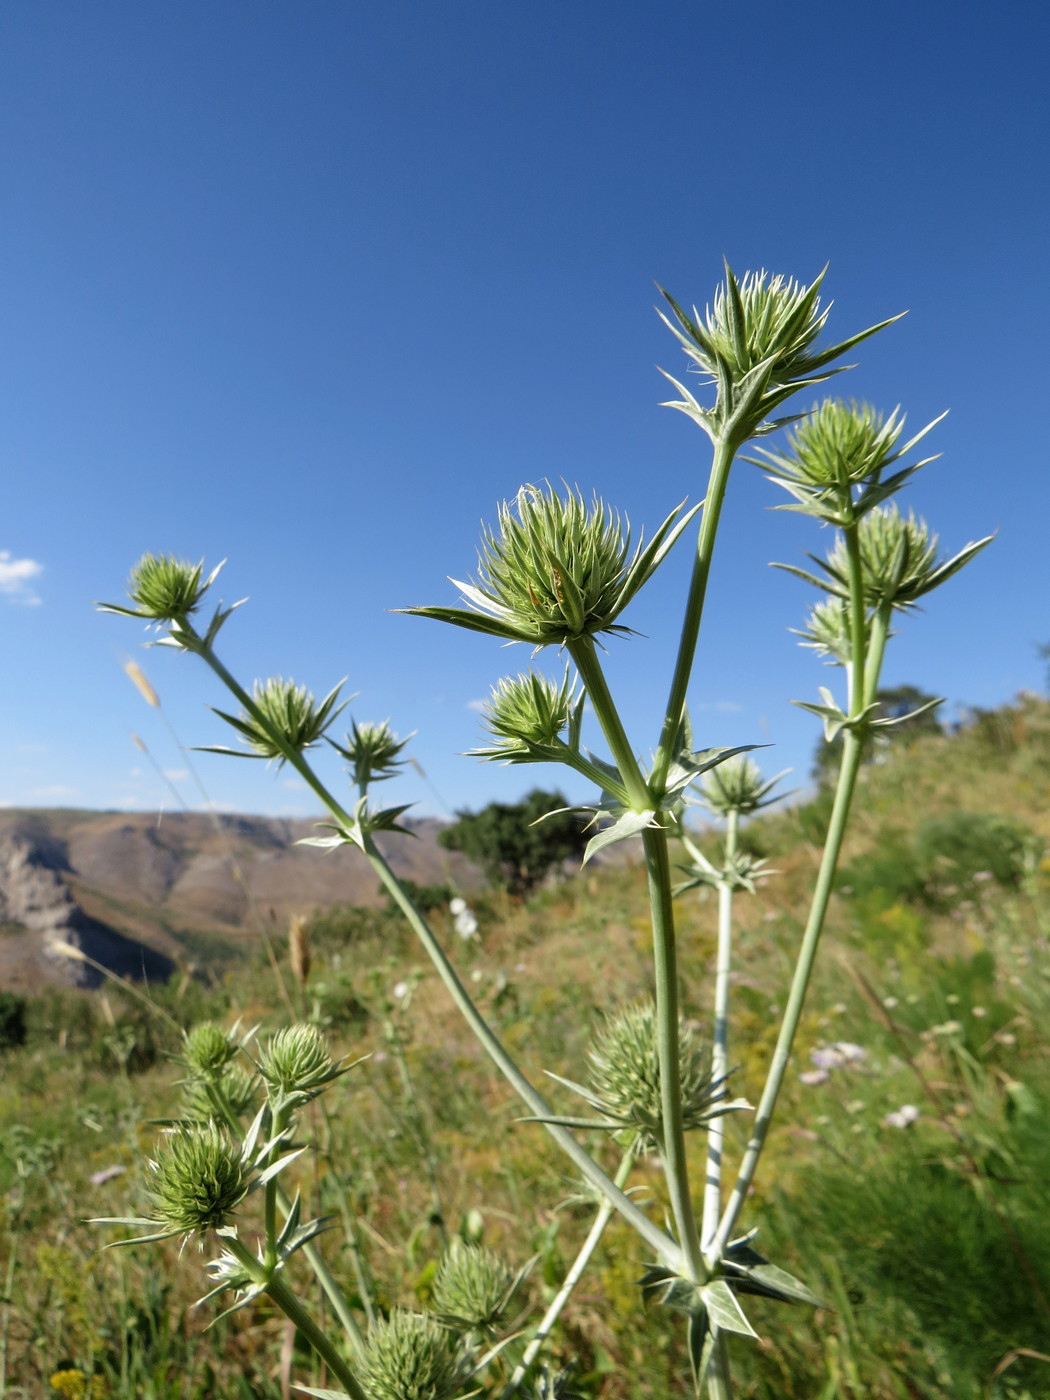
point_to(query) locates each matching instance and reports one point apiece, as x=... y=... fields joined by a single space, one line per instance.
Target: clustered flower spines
x=556 y=570
x=623 y=1085
x=527 y=716
x=755 y=344
x=410 y=1356
x=296 y=1066
x=737 y=785
x=828 y=631
x=837 y=458
x=286 y=717
x=472 y=1287
x=167 y=591
x=198 y=1180
x=899 y=561
x=234 y=1088
x=373 y=751
x=208 y=1050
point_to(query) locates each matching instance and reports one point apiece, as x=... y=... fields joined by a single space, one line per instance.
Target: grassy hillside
x=926 y=1233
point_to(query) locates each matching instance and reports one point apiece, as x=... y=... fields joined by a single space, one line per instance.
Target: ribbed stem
x=720 y=1046
x=725 y=451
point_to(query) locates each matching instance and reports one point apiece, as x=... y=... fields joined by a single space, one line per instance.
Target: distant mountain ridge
x=139 y=891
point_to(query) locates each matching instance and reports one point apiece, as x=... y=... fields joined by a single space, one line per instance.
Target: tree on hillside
x=512 y=845
x=893 y=702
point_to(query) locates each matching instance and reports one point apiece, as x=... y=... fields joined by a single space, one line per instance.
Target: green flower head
x=899 y=561
x=737 y=786
x=198 y=1180
x=472 y=1287
x=410 y=1357
x=208 y=1050
x=165 y=589
x=756 y=343
x=527 y=716
x=837 y=459
x=284 y=716
x=295 y=1064
x=373 y=752
x=555 y=570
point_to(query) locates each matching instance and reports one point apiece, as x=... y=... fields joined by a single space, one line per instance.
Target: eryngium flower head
x=555 y=570
x=373 y=752
x=208 y=1050
x=737 y=786
x=165 y=589
x=838 y=450
x=286 y=717
x=198 y=1180
x=237 y=1090
x=624 y=1077
x=295 y=1064
x=899 y=561
x=828 y=633
x=471 y=1287
x=756 y=344
x=410 y=1357
x=526 y=716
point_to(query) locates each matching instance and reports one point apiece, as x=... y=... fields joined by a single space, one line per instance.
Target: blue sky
x=314 y=286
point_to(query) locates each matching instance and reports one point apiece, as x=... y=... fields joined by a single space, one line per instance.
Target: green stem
x=565 y=1292
x=880 y=631
x=293 y=1309
x=725 y=451
x=665 y=972
x=583 y=652
x=857 y=618
x=851 y=756
x=719 y=1381
x=655 y=1237
x=720 y=1046
x=665 y=969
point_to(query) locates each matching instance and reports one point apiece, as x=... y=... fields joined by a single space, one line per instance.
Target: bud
x=898 y=561
x=756 y=344
x=839 y=449
x=373 y=751
x=624 y=1078
x=410 y=1357
x=472 y=1287
x=237 y=1088
x=737 y=786
x=556 y=570
x=527 y=713
x=198 y=1181
x=828 y=631
x=208 y=1050
x=166 y=589
x=295 y=1064
x=286 y=711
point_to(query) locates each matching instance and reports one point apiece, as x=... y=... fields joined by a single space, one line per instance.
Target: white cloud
x=15 y=575
x=176 y=775
x=476 y=705
x=55 y=792
x=293 y=784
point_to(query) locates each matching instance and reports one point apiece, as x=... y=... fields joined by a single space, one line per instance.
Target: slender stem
x=289 y=1304
x=665 y=972
x=720 y=1047
x=584 y=654
x=880 y=631
x=664 y=1246
x=725 y=451
x=719 y=1381
x=565 y=1292
x=851 y=756
x=665 y=967
x=857 y=618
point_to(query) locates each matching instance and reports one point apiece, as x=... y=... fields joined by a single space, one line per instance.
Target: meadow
x=906 y=1181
